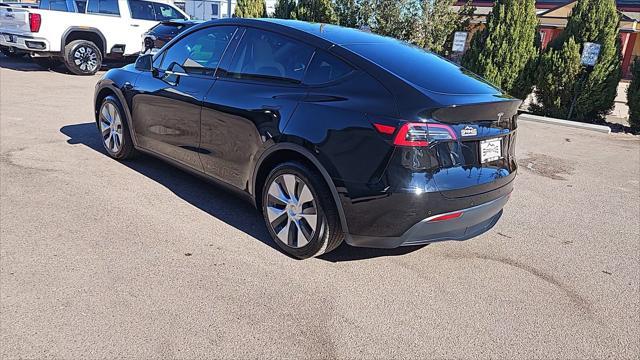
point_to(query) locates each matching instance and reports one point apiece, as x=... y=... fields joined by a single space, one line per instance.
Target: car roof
x=181 y=22
x=364 y=49
x=332 y=33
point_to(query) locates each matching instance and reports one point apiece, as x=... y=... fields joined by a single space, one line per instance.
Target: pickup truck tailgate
x=14 y=20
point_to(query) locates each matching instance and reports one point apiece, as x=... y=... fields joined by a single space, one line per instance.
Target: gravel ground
x=101 y=259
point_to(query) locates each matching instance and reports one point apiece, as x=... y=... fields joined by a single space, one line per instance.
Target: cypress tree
x=505 y=50
x=590 y=21
x=284 y=9
x=395 y=18
x=439 y=21
x=250 y=9
x=633 y=96
x=348 y=12
x=462 y=23
x=320 y=11
x=555 y=82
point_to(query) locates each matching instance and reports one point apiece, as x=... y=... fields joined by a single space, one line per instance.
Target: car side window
x=325 y=68
x=166 y=12
x=56 y=5
x=141 y=10
x=82 y=6
x=199 y=52
x=265 y=55
x=106 y=7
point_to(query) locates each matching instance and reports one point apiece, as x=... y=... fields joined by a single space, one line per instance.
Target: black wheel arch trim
x=110 y=85
x=309 y=156
x=84 y=29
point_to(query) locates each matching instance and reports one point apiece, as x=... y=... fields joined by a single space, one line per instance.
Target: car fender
x=84 y=29
x=325 y=175
x=111 y=85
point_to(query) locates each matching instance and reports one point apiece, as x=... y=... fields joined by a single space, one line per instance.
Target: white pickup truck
x=81 y=33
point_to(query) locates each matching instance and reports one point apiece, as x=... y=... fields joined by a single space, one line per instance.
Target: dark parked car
x=334 y=134
x=159 y=35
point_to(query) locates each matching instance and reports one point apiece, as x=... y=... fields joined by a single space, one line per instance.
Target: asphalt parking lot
x=101 y=259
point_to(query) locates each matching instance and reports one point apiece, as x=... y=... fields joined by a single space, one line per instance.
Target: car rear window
x=325 y=68
x=423 y=68
x=107 y=7
x=166 y=12
x=170 y=29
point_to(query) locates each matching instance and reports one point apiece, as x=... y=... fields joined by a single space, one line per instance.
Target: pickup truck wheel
x=82 y=57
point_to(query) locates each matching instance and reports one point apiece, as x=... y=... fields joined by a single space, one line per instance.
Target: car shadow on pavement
x=25 y=64
x=213 y=199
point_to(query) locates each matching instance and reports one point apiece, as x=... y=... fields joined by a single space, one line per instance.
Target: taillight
x=385 y=129
x=34 y=22
x=449 y=216
x=420 y=134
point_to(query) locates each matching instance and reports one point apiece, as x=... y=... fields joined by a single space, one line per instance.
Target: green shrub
x=399 y=19
x=555 y=80
x=591 y=21
x=320 y=11
x=505 y=50
x=633 y=96
x=284 y=9
x=348 y=12
x=250 y=9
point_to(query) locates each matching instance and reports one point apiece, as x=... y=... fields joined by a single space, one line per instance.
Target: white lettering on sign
x=459 y=41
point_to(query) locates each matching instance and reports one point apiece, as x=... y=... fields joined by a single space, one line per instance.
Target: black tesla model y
x=333 y=133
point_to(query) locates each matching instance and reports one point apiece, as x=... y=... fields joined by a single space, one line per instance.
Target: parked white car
x=81 y=33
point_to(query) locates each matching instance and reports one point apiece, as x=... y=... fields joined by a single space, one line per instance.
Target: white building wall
x=215 y=9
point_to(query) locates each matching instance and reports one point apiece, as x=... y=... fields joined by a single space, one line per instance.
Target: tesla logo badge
x=469 y=131
x=500 y=115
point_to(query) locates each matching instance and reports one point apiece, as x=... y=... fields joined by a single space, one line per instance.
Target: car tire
x=300 y=212
x=114 y=130
x=46 y=63
x=82 y=57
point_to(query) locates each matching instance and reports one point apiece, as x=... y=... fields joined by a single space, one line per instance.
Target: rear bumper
x=24 y=42
x=474 y=221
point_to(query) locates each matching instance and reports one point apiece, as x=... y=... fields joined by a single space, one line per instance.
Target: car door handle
x=134 y=25
x=176 y=73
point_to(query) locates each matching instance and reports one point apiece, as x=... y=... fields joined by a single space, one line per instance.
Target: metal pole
x=229 y=8
x=576 y=92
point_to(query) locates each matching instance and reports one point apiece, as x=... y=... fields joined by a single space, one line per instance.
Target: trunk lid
x=482 y=158
x=14 y=20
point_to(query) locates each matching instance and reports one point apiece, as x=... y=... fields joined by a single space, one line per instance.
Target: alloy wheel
x=85 y=58
x=291 y=210
x=111 y=127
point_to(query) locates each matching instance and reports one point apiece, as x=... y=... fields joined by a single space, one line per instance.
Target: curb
x=574 y=124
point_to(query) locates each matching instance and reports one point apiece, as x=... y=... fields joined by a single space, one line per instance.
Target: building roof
x=556 y=16
x=623 y=5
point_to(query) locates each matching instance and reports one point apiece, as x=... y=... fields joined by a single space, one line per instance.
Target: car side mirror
x=144 y=62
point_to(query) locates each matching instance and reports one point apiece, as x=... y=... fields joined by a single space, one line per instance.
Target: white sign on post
x=590 y=54
x=459 y=41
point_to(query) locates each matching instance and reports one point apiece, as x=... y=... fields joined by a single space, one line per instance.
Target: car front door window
x=199 y=52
